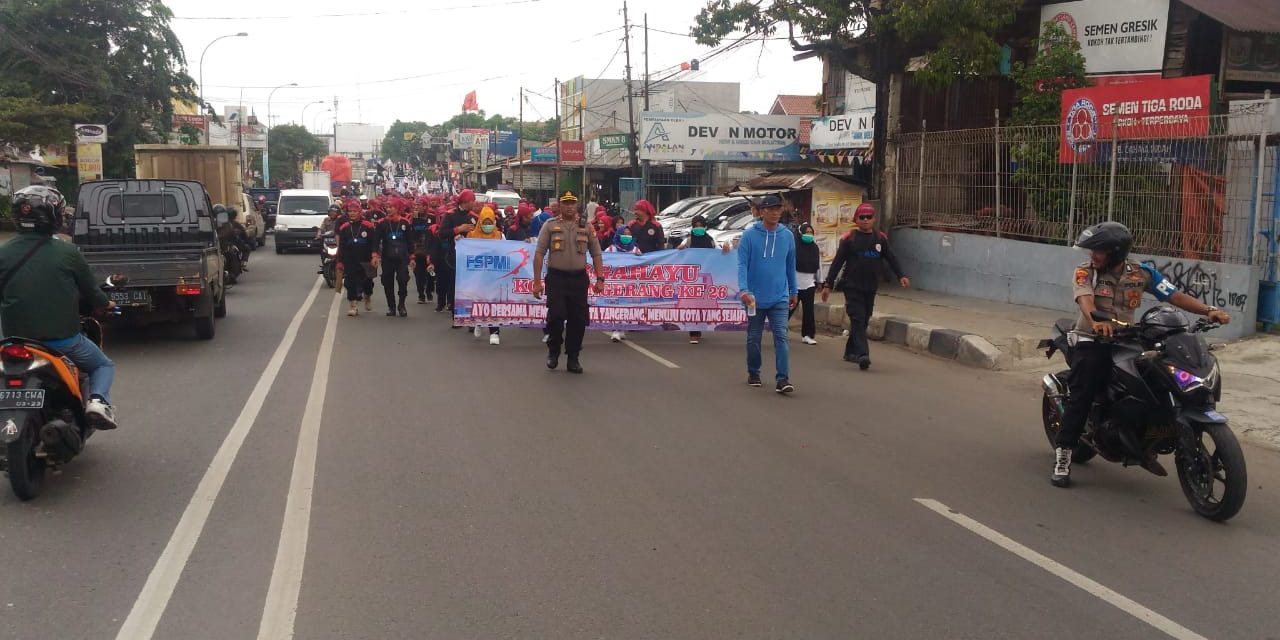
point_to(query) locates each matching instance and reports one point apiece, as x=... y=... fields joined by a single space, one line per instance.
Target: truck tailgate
x=153 y=268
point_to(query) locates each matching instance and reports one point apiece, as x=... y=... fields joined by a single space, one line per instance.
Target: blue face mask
x=699 y=231
x=808 y=237
x=625 y=239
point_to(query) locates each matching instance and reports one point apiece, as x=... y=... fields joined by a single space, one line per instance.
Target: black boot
x=573 y=366
x=553 y=359
x=404 y=313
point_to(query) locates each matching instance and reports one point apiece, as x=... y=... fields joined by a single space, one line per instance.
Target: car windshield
x=304 y=205
x=506 y=201
x=739 y=221
x=680 y=206
x=717 y=212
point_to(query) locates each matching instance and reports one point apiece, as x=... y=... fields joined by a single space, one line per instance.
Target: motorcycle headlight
x=1185 y=380
x=1211 y=380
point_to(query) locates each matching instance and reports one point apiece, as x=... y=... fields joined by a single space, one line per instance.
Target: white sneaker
x=101 y=416
x=476 y=333
x=808 y=340
x=616 y=337
x=545 y=338
x=494 y=340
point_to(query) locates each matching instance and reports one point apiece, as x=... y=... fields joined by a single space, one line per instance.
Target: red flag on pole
x=469 y=103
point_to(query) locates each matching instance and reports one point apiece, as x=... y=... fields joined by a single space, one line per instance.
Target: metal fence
x=1199 y=189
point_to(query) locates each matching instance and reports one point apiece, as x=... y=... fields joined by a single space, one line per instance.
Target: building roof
x=796 y=179
x=1241 y=15
x=785 y=105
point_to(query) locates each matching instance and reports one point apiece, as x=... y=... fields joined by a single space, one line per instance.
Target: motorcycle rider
x=233 y=235
x=358 y=258
x=42 y=286
x=395 y=245
x=1113 y=285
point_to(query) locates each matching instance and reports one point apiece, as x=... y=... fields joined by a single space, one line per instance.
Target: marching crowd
x=392 y=236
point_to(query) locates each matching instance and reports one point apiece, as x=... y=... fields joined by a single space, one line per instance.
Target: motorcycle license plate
x=131 y=298
x=22 y=399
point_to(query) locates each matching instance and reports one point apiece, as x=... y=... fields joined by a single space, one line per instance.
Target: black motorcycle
x=42 y=418
x=329 y=258
x=1161 y=399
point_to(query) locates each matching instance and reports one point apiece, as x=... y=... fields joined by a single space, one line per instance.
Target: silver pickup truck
x=160 y=235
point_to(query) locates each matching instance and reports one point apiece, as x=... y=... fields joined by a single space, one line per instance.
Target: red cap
x=467 y=196
x=646 y=207
x=864 y=209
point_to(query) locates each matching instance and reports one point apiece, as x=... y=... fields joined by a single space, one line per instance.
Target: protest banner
x=689 y=290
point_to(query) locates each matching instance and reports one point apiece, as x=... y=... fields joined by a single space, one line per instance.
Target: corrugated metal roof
x=1241 y=15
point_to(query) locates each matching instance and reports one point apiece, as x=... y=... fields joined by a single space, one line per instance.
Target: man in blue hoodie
x=767 y=285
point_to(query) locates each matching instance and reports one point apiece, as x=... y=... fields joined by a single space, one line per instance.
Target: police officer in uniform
x=1113 y=285
x=565 y=242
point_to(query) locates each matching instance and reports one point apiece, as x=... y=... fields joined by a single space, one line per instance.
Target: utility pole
x=644 y=167
x=556 y=189
x=520 y=145
x=335 y=125
x=631 y=109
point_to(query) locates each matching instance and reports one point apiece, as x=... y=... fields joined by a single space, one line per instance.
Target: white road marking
x=155 y=595
x=651 y=355
x=1090 y=586
x=281 y=606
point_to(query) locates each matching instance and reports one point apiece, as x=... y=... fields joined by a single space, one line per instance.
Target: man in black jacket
x=860 y=255
x=458 y=222
x=395 y=245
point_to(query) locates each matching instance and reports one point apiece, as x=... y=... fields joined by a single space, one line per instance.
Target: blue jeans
x=100 y=370
x=777 y=315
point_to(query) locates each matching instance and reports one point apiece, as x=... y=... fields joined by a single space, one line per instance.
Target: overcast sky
x=445 y=48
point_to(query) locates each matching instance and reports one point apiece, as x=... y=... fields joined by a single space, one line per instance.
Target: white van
x=299 y=216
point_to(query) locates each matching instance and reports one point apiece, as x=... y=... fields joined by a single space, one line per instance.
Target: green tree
x=26 y=123
x=290 y=145
x=1057 y=66
x=119 y=59
x=394 y=145
x=938 y=41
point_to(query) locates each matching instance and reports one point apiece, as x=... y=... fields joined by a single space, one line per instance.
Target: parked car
x=715 y=211
x=254 y=224
x=502 y=199
x=300 y=213
x=160 y=236
x=677 y=208
x=731 y=229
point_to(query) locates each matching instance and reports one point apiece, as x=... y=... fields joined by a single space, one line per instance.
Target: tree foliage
x=1057 y=66
x=117 y=59
x=26 y=123
x=290 y=145
x=394 y=145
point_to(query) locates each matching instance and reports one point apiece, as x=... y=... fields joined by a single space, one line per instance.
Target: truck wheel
x=204 y=328
x=220 y=311
x=279 y=249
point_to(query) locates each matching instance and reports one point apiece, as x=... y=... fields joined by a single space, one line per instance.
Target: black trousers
x=395 y=271
x=567 y=311
x=858 y=304
x=444 y=286
x=357 y=281
x=422 y=280
x=1090 y=374
x=808 y=324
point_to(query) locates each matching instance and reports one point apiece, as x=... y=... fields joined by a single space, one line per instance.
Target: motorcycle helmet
x=1110 y=237
x=38 y=208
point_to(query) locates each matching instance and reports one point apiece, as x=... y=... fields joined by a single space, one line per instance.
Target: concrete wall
x=1035 y=274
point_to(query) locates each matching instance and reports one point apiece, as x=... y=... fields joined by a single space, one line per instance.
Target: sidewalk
x=980 y=333
x=994 y=335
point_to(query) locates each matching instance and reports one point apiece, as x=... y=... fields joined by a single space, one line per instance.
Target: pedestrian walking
x=564 y=243
x=520 y=227
x=699 y=238
x=456 y=223
x=487 y=230
x=807 y=265
x=423 y=280
x=395 y=247
x=358 y=258
x=767 y=286
x=855 y=270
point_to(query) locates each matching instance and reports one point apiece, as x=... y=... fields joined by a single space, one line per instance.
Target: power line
x=363 y=13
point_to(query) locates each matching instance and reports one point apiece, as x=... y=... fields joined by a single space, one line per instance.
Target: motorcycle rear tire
x=330 y=274
x=26 y=471
x=1228 y=459
x=1049 y=414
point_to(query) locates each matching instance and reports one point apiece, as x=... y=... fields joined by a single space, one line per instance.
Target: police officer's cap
x=568 y=197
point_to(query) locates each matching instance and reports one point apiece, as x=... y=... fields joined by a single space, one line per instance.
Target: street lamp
x=242 y=34
x=266 y=145
x=304 y=111
x=315 y=124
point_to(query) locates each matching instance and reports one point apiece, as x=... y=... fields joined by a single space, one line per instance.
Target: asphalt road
x=445 y=488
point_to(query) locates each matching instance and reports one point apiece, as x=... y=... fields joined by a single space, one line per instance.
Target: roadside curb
x=966 y=348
